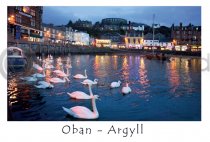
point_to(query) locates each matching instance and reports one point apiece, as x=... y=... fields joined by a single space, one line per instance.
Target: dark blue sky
x=164 y=15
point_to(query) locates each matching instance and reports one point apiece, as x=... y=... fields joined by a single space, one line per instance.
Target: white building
x=81 y=38
x=69 y=34
x=166 y=45
x=150 y=43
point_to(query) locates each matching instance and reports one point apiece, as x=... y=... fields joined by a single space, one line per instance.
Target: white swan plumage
x=57 y=71
x=39 y=75
x=88 y=81
x=83 y=112
x=115 y=84
x=63 y=74
x=80 y=76
x=38 y=67
x=29 y=78
x=126 y=89
x=81 y=95
x=43 y=85
x=58 y=80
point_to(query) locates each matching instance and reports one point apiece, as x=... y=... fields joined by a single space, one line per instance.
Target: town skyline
x=141 y=14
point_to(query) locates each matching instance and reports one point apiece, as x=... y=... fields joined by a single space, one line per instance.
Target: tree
x=70 y=24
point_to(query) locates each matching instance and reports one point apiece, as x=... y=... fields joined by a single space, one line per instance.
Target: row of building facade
x=25 y=23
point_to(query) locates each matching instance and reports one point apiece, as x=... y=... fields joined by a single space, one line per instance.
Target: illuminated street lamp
x=174 y=42
x=142 y=40
x=11 y=19
x=48 y=33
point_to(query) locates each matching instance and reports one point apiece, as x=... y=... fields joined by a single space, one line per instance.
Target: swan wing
x=42 y=83
x=79 y=76
x=87 y=81
x=114 y=84
x=79 y=95
x=29 y=78
x=56 y=80
x=83 y=112
x=126 y=90
x=80 y=112
x=40 y=86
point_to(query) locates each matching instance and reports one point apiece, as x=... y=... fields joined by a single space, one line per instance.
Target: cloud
x=165 y=15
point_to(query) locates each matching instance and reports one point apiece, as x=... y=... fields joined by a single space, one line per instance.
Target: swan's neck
x=43 y=72
x=43 y=64
x=62 y=68
x=93 y=101
x=94 y=106
x=85 y=74
x=66 y=79
x=67 y=71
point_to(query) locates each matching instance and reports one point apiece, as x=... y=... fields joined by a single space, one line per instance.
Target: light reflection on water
x=160 y=90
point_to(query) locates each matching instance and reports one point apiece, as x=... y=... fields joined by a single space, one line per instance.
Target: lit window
x=26 y=9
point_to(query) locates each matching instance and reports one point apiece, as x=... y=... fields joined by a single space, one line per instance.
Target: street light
x=174 y=42
x=11 y=19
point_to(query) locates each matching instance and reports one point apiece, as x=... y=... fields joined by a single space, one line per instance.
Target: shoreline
x=40 y=49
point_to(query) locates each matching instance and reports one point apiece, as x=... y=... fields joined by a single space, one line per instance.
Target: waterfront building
x=63 y=34
x=114 y=37
x=68 y=33
x=134 y=42
x=53 y=34
x=81 y=38
x=25 y=23
x=103 y=42
x=189 y=36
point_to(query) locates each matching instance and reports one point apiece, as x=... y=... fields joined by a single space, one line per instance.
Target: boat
x=153 y=56
x=16 y=57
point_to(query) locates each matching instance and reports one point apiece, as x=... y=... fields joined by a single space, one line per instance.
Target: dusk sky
x=141 y=14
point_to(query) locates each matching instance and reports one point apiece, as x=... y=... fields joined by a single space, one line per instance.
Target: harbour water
x=161 y=90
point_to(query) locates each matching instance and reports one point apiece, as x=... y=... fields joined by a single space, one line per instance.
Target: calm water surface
x=160 y=90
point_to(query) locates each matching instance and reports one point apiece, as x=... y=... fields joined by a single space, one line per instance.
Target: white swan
x=44 y=85
x=126 y=89
x=29 y=78
x=81 y=95
x=80 y=76
x=63 y=74
x=83 y=112
x=68 y=66
x=38 y=67
x=88 y=81
x=115 y=84
x=39 y=75
x=58 y=80
x=57 y=71
x=48 y=66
